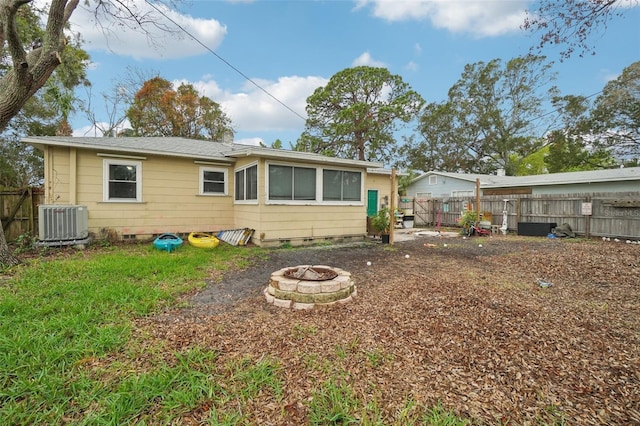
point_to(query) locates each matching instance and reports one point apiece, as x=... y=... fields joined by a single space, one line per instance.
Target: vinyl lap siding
x=170 y=199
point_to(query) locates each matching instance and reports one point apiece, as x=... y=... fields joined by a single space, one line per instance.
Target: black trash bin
x=536 y=229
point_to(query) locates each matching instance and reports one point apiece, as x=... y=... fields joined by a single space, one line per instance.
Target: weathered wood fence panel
x=612 y=214
x=440 y=211
x=612 y=218
x=19 y=211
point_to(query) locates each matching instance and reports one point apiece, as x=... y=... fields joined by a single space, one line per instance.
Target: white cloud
x=96 y=130
x=366 y=59
x=609 y=76
x=250 y=141
x=152 y=41
x=251 y=109
x=628 y=3
x=478 y=17
x=88 y=131
x=411 y=66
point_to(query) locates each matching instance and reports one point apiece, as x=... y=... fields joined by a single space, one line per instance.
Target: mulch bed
x=467 y=326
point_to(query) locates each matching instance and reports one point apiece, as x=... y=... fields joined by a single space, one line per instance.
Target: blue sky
x=289 y=48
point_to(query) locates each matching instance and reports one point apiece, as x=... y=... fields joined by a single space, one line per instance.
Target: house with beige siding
x=137 y=188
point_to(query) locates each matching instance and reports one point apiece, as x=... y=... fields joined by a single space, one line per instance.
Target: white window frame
x=463 y=193
x=235 y=174
x=347 y=202
x=106 y=163
x=433 y=179
x=296 y=202
x=319 y=186
x=225 y=191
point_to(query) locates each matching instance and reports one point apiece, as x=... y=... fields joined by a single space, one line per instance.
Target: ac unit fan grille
x=62 y=223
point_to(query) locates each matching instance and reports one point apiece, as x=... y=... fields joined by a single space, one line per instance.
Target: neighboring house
x=445 y=184
x=141 y=187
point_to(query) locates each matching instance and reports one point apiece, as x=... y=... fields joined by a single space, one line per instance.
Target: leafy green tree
x=615 y=117
x=532 y=164
x=442 y=141
x=570 y=147
x=20 y=165
x=32 y=49
x=566 y=154
x=158 y=110
x=357 y=113
x=572 y=22
x=491 y=119
x=46 y=112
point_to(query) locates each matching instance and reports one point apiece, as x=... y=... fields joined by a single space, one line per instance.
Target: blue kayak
x=167 y=242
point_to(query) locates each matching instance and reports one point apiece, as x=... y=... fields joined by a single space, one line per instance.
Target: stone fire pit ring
x=309 y=286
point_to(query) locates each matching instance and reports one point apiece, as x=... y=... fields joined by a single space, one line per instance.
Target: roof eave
x=38 y=143
x=573 y=182
x=301 y=156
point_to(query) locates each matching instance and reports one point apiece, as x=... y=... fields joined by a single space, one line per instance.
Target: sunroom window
x=292 y=183
x=246 y=184
x=341 y=185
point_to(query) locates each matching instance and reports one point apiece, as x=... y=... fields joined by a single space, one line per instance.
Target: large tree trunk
x=29 y=70
x=6 y=258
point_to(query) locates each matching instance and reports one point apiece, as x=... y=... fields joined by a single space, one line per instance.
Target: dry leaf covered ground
x=463 y=325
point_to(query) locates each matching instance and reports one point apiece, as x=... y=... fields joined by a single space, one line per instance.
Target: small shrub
x=467 y=219
x=381 y=221
x=25 y=243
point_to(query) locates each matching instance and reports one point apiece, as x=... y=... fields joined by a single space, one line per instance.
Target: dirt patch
x=464 y=325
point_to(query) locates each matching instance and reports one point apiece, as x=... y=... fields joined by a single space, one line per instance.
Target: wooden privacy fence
x=615 y=214
x=19 y=211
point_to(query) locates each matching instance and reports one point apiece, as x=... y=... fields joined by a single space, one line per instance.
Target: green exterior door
x=372 y=202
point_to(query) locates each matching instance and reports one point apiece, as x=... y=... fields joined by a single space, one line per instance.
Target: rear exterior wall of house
x=165 y=194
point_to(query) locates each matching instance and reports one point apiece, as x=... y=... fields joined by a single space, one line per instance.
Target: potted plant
x=381 y=223
x=467 y=220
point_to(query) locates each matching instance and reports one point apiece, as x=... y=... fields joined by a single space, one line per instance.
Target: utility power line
x=224 y=60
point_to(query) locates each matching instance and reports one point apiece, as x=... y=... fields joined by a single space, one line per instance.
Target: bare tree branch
x=572 y=23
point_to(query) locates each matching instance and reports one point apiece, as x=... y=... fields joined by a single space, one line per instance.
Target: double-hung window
x=122 y=180
x=246 y=184
x=213 y=181
x=292 y=183
x=341 y=185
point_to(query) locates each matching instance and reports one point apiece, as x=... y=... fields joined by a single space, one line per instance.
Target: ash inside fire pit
x=311 y=273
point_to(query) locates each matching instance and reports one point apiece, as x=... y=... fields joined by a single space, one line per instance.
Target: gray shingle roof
x=493 y=181
x=177 y=147
x=608 y=175
x=189 y=148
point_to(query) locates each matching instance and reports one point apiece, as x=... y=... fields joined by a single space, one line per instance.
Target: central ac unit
x=63 y=224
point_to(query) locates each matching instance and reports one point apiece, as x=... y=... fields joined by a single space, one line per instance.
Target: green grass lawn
x=57 y=315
